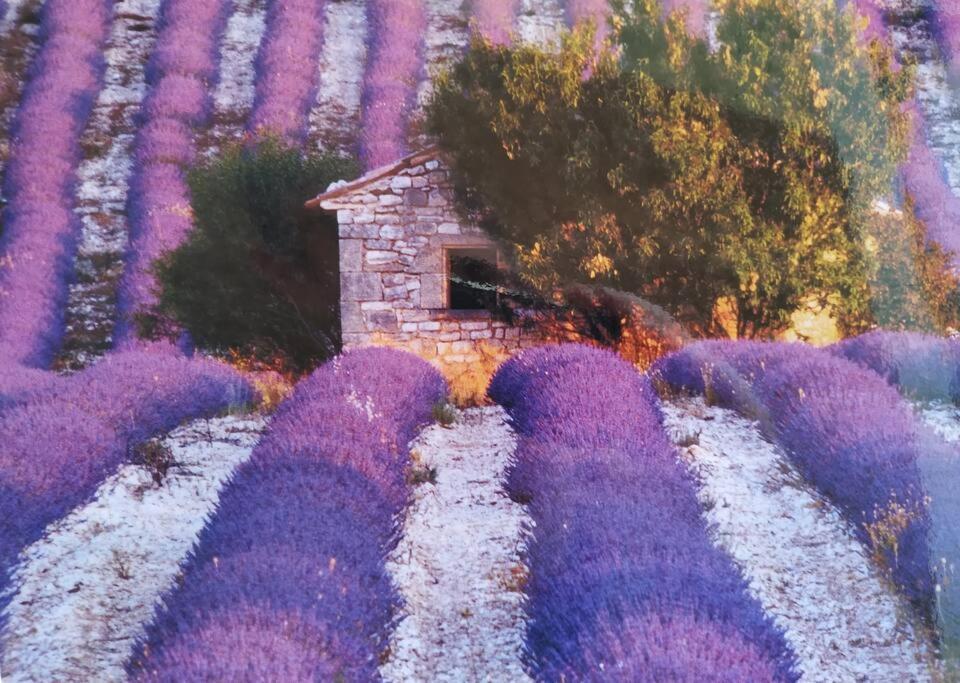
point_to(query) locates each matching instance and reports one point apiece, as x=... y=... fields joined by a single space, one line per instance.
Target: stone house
x=407 y=261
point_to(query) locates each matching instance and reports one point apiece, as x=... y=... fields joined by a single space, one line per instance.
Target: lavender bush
x=181 y=74
x=847 y=431
x=394 y=66
x=287 y=75
x=924 y=179
x=946 y=23
x=696 y=13
x=625 y=583
x=40 y=230
x=288 y=580
x=58 y=444
x=596 y=12
x=494 y=19
x=922 y=174
x=922 y=366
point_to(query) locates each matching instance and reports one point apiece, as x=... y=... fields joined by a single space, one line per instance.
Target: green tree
x=745 y=174
x=259 y=274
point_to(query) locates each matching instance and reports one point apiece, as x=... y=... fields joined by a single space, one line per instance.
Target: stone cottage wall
x=393 y=231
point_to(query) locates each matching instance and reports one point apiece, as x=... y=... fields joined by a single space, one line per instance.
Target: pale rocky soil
x=943 y=418
x=85 y=590
x=446 y=38
x=939 y=101
x=102 y=185
x=799 y=555
x=540 y=21
x=233 y=97
x=336 y=115
x=458 y=562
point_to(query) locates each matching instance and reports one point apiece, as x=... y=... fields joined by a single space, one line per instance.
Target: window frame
x=448 y=251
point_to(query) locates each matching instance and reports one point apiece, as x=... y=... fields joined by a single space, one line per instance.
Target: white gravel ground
x=446 y=37
x=943 y=418
x=335 y=117
x=9 y=17
x=800 y=556
x=84 y=591
x=233 y=96
x=540 y=22
x=103 y=181
x=458 y=563
x=941 y=108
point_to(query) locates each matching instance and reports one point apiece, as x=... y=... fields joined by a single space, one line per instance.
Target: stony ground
x=458 y=563
x=800 y=556
x=86 y=589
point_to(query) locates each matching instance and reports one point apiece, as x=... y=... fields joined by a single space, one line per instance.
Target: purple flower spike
x=38 y=241
x=847 y=431
x=394 y=67
x=288 y=581
x=494 y=19
x=287 y=76
x=63 y=436
x=625 y=583
x=181 y=72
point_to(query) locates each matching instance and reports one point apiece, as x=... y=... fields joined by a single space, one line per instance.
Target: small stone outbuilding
x=405 y=253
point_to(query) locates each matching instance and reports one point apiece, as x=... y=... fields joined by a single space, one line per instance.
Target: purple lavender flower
x=288 y=579
x=181 y=71
x=64 y=436
x=845 y=428
x=622 y=568
x=394 y=67
x=287 y=68
x=494 y=19
x=40 y=230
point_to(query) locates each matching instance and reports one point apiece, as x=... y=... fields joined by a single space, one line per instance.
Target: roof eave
x=322 y=201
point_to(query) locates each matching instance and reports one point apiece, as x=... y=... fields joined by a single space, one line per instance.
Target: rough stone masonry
x=396 y=225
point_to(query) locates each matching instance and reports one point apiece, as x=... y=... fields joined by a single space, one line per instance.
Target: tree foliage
x=259 y=274
x=745 y=174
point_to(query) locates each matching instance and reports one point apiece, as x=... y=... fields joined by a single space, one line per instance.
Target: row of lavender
x=625 y=582
x=40 y=229
x=927 y=369
x=60 y=437
x=946 y=15
x=64 y=437
x=922 y=174
x=287 y=68
x=180 y=74
x=288 y=580
x=847 y=431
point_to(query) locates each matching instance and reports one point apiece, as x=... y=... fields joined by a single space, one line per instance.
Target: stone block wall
x=395 y=225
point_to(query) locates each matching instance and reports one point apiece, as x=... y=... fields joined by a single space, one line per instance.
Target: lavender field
x=765 y=509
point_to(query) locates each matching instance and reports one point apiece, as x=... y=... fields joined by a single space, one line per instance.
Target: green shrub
x=740 y=178
x=259 y=276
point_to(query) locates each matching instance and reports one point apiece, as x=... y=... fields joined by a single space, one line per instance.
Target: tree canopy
x=259 y=274
x=743 y=174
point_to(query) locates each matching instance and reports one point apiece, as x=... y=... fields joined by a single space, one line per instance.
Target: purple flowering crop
x=181 y=74
x=68 y=434
x=287 y=68
x=288 y=580
x=494 y=19
x=394 y=67
x=696 y=11
x=624 y=580
x=924 y=178
x=922 y=366
x=946 y=24
x=843 y=426
x=922 y=174
x=38 y=242
x=595 y=11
